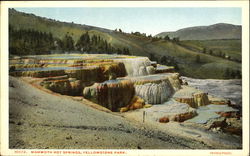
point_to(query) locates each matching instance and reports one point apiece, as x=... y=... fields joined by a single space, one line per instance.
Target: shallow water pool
x=50 y=68
x=206 y=113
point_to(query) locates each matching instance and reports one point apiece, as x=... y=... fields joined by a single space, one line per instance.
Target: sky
x=145 y=20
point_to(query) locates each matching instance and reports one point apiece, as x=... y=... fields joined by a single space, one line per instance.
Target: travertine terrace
x=120 y=83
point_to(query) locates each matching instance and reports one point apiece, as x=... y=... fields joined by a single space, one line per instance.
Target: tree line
x=232 y=74
x=155 y=38
x=150 y=37
x=33 y=42
x=27 y=42
x=96 y=44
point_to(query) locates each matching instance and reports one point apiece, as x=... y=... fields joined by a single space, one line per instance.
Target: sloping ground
x=208 y=66
x=228 y=47
x=39 y=120
x=57 y=28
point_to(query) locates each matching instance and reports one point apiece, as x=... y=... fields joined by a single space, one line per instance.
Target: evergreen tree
x=176 y=39
x=152 y=57
x=166 y=38
x=211 y=52
x=232 y=74
x=68 y=43
x=204 y=50
x=238 y=74
x=83 y=44
x=126 y=51
x=226 y=74
x=223 y=55
x=96 y=44
x=163 y=60
x=28 y=41
x=197 y=59
x=119 y=51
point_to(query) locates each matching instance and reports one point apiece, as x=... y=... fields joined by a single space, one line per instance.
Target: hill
x=227 y=48
x=216 y=31
x=187 y=60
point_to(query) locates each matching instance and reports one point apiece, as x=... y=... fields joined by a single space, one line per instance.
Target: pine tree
x=204 y=50
x=226 y=74
x=163 y=60
x=197 y=59
x=166 y=38
x=211 y=52
x=28 y=41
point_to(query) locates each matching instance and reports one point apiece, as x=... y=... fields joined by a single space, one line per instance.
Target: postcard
x=125 y=78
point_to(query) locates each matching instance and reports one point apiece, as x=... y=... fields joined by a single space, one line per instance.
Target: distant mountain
x=216 y=31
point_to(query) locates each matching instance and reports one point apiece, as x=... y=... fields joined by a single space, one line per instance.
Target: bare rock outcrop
x=85 y=74
x=64 y=85
x=218 y=101
x=38 y=74
x=234 y=126
x=82 y=69
x=135 y=103
x=175 y=81
x=157 y=88
x=154 y=93
x=137 y=66
x=112 y=94
x=58 y=86
x=76 y=87
x=192 y=97
x=110 y=71
x=171 y=111
x=227 y=125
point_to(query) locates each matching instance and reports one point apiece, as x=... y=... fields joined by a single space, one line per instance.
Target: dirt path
x=41 y=120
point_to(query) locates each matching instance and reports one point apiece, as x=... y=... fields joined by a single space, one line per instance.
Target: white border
x=244 y=5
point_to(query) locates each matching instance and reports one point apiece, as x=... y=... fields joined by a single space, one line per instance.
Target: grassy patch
x=230 y=47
